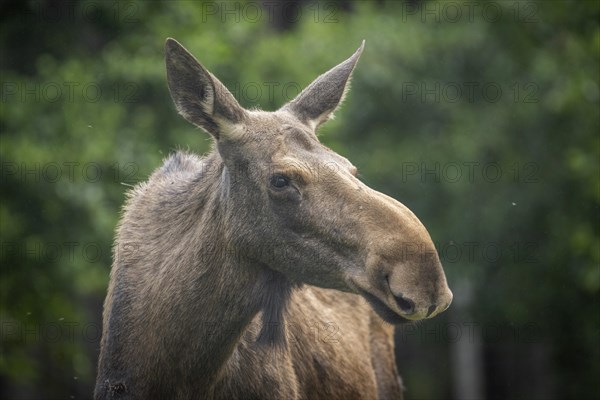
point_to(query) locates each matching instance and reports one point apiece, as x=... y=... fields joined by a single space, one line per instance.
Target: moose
x=265 y=269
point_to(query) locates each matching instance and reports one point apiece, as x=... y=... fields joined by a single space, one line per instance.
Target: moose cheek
x=287 y=208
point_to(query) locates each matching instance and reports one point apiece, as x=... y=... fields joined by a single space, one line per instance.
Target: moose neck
x=219 y=290
x=262 y=287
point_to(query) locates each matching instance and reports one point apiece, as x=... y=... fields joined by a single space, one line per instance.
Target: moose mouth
x=382 y=309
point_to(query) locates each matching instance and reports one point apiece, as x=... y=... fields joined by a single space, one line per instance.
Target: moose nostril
x=430 y=310
x=406 y=305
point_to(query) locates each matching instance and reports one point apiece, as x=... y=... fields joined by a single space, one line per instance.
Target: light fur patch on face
x=229 y=131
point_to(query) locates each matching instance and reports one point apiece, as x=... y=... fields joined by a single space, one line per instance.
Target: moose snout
x=420 y=304
x=403 y=288
x=404 y=278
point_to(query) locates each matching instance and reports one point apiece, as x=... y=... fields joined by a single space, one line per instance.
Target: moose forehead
x=280 y=139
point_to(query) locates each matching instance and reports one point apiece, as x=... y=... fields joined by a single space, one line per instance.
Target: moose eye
x=279 y=181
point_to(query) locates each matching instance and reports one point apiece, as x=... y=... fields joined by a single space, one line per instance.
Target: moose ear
x=199 y=97
x=316 y=104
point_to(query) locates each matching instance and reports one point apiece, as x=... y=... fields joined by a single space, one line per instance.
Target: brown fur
x=226 y=286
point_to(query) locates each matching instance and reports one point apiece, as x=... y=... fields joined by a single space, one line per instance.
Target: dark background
x=482 y=117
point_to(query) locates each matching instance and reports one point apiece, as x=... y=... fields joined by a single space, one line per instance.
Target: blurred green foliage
x=485 y=126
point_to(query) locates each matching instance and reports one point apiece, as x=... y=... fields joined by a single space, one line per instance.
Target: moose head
x=296 y=207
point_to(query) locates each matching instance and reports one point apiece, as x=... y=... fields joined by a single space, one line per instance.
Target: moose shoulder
x=261 y=271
